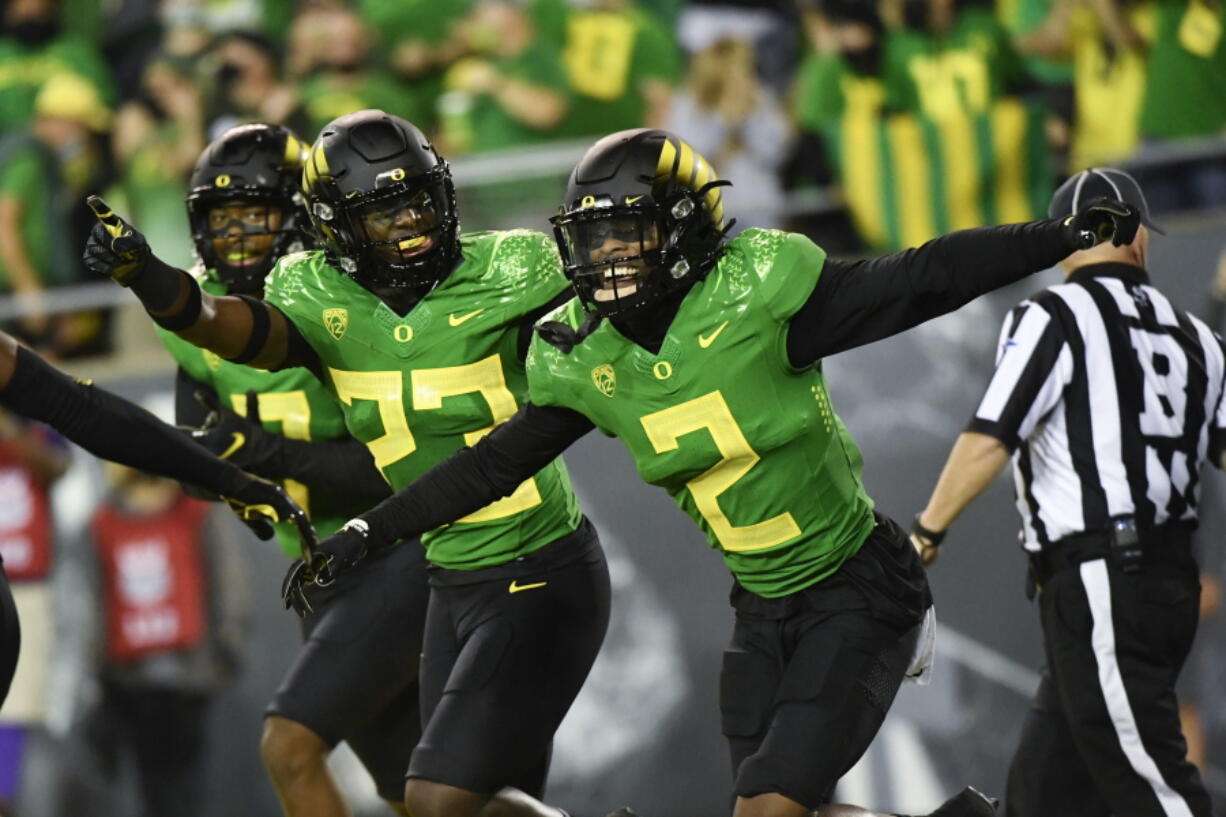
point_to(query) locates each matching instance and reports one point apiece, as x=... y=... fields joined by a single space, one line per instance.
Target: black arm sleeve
x=859 y=302
x=188 y=410
x=339 y=467
x=474 y=477
x=110 y=427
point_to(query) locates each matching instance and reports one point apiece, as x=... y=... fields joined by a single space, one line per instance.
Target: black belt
x=1166 y=544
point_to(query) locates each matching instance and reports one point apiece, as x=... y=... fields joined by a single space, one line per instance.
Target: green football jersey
x=419 y=387
x=746 y=445
x=292 y=403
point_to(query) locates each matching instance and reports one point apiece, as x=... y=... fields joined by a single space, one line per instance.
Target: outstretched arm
x=236 y=328
x=859 y=302
x=474 y=477
x=466 y=482
x=115 y=429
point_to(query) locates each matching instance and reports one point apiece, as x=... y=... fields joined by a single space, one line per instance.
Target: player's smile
x=401 y=228
x=621 y=279
x=243 y=233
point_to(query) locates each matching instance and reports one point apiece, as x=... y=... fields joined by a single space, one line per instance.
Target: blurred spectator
x=622 y=65
x=1108 y=57
x=157 y=139
x=511 y=92
x=33 y=49
x=32 y=458
x=1026 y=18
x=44 y=174
x=1186 y=82
x=950 y=57
x=1185 y=98
x=911 y=170
x=269 y=17
x=330 y=51
x=249 y=87
x=728 y=115
x=421 y=39
x=771 y=25
x=171 y=620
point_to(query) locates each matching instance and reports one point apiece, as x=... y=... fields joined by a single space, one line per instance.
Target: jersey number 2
x=710 y=413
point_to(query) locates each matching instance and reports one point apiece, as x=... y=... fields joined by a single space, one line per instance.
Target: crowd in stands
x=928 y=115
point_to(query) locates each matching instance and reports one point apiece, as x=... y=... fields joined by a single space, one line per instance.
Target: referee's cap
x=1100 y=182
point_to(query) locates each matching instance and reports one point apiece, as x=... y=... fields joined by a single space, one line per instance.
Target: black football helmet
x=643 y=218
x=248 y=165
x=382 y=200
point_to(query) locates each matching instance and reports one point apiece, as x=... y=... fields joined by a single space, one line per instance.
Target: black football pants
x=1103 y=738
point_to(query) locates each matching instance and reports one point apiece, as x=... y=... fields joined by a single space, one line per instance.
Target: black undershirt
x=853 y=303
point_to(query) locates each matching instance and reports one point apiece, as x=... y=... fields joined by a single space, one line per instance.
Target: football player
x=421 y=334
x=704 y=356
x=246 y=211
x=114 y=429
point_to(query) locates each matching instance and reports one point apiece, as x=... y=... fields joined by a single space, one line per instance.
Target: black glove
x=114 y=248
x=233 y=436
x=1100 y=220
x=324 y=563
x=259 y=503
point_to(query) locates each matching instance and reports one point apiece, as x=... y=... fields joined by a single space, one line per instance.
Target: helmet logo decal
x=336 y=321
x=588 y=202
x=605 y=379
x=662 y=370
x=397 y=174
x=222 y=181
x=403 y=333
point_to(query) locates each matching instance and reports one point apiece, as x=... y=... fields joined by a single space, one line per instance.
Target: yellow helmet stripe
x=668 y=158
x=294 y=151
x=685 y=166
x=692 y=171
x=316 y=167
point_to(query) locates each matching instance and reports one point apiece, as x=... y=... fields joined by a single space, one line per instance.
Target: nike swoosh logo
x=706 y=340
x=516 y=588
x=632 y=199
x=456 y=320
x=238 y=441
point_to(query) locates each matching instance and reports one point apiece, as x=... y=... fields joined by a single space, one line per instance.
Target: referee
x=1109 y=400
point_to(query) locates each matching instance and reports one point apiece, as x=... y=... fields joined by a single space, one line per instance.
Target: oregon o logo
x=398 y=174
x=223 y=180
x=662 y=370
x=588 y=202
x=403 y=333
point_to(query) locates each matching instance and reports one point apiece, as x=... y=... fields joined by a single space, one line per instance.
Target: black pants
x=1103 y=735
x=164 y=732
x=808 y=678
x=507 y=650
x=355 y=678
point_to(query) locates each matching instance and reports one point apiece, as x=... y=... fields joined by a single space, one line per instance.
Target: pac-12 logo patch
x=605 y=379
x=336 y=321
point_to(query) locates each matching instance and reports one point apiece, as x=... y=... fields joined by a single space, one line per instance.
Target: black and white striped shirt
x=1110 y=400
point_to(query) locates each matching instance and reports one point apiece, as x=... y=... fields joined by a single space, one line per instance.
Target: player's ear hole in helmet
x=383 y=202
x=244 y=204
x=642 y=219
